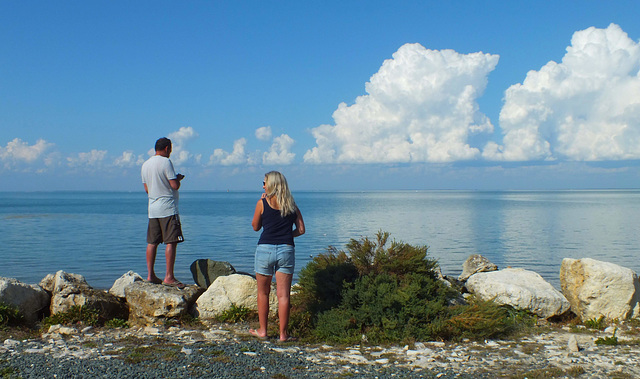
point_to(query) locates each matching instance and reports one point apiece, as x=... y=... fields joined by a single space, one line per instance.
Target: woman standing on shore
x=276 y=213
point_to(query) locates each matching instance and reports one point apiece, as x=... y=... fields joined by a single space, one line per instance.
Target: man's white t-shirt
x=163 y=200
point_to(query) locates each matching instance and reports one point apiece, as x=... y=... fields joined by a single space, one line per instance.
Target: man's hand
x=179 y=177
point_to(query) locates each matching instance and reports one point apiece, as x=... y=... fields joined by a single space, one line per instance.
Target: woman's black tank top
x=276 y=230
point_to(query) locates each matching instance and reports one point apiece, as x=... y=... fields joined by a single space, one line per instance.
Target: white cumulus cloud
x=236 y=157
x=279 y=152
x=179 y=139
x=18 y=151
x=92 y=158
x=263 y=133
x=586 y=108
x=420 y=107
x=128 y=159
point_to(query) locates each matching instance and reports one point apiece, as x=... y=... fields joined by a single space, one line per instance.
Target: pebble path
x=225 y=351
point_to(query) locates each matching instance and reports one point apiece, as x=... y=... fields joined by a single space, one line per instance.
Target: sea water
x=102 y=235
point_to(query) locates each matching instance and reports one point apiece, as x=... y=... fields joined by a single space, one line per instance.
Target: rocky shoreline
x=227 y=350
x=593 y=291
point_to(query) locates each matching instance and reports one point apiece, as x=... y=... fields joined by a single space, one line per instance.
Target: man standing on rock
x=161 y=184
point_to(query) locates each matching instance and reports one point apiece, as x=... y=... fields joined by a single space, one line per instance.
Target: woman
x=276 y=213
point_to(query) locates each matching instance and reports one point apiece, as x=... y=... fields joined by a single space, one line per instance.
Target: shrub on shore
x=386 y=291
x=9 y=315
x=75 y=315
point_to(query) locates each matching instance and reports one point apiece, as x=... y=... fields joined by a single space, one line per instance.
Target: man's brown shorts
x=167 y=230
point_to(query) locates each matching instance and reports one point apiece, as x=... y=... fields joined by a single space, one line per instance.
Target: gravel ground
x=154 y=357
x=229 y=351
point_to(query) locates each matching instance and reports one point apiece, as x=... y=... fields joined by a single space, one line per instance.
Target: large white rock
x=520 y=288
x=151 y=304
x=69 y=290
x=600 y=289
x=236 y=289
x=119 y=285
x=30 y=299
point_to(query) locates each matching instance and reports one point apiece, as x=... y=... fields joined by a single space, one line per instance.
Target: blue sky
x=356 y=95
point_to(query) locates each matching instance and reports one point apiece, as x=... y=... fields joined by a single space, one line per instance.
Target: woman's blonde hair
x=276 y=185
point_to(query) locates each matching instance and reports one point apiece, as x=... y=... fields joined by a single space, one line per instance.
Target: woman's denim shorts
x=272 y=258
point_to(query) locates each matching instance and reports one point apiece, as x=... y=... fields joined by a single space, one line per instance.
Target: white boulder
x=520 y=288
x=69 y=290
x=600 y=289
x=119 y=285
x=152 y=304
x=236 y=289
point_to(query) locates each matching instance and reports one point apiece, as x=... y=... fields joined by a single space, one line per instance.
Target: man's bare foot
x=177 y=284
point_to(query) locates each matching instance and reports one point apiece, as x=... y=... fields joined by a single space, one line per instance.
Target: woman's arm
x=299 y=230
x=257 y=216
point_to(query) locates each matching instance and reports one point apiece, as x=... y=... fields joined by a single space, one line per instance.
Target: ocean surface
x=102 y=235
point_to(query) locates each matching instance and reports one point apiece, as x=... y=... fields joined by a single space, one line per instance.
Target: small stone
x=151 y=330
x=66 y=330
x=572 y=345
x=11 y=343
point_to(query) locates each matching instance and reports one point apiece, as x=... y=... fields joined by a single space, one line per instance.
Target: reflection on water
x=102 y=235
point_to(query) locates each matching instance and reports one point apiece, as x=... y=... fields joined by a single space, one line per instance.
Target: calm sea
x=101 y=235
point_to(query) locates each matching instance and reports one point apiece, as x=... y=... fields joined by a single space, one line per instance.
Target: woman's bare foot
x=258 y=334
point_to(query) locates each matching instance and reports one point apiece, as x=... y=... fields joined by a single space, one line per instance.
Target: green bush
x=115 y=323
x=372 y=258
x=322 y=280
x=612 y=341
x=480 y=320
x=596 y=323
x=236 y=314
x=385 y=291
x=9 y=315
x=384 y=308
x=75 y=315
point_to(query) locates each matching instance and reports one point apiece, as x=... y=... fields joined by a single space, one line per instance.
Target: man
x=161 y=184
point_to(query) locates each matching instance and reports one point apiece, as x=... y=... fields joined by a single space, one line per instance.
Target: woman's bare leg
x=264 y=288
x=283 y=290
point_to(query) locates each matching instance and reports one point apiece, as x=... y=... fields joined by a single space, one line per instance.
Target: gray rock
x=205 y=271
x=153 y=304
x=30 y=299
x=474 y=264
x=68 y=290
x=55 y=282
